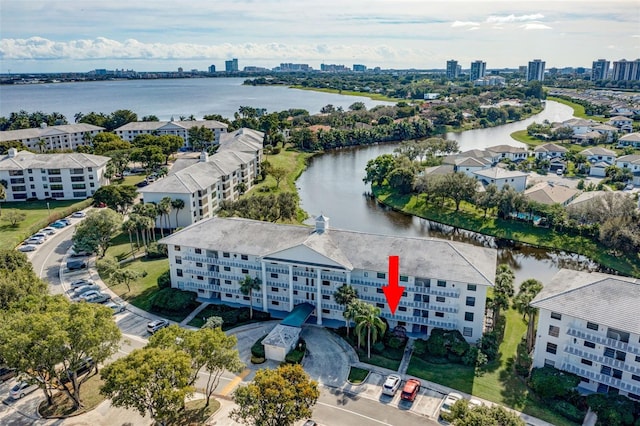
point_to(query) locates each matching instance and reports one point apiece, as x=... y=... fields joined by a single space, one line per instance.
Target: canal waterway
x=332 y=185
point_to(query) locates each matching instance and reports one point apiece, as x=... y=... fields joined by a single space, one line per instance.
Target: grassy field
x=372 y=96
x=357 y=375
x=37 y=218
x=578 y=110
x=62 y=405
x=471 y=218
x=195 y=412
x=496 y=381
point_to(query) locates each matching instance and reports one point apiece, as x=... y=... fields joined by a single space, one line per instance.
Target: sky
x=159 y=35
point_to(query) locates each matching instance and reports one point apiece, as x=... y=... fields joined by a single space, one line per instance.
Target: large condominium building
x=129 y=131
x=231 y=65
x=452 y=69
x=626 y=70
x=212 y=179
x=535 y=70
x=478 y=70
x=445 y=282
x=46 y=138
x=589 y=325
x=600 y=70
x=51 y=176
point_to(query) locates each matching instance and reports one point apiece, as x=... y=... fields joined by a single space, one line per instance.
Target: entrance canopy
x=299 y=315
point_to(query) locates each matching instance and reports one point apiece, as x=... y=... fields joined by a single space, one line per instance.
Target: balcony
x=591 y=336
x=611 y=362
x=601 y=378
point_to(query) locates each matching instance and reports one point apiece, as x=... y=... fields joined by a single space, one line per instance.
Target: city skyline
x=59 y=36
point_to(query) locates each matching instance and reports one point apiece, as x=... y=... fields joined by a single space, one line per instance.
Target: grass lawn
x=129 y=180
x=357 y=375
x=232 y=317
x=497 y=381
x=62 y=406
x=471 y=218
x=578 y=110
x=195 y=413
x=37 y=217
x=372 y=96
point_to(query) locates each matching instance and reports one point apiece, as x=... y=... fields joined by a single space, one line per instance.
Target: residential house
x=445 y=281
x=625 y=124
x=72 y=176
x=588 y=325
x=549 y=193
x=600 y=158
x=469 y=165
x=631 y=162
x=48 y=138
x=548 y=151
x=606 y=130
x=501 y=177
x=513 y=153
x=630 y=140
x=129 y=131
x=204 y=185
x=579 y=126
x=591 y=137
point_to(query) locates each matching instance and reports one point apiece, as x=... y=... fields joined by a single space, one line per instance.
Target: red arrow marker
x=393 y=291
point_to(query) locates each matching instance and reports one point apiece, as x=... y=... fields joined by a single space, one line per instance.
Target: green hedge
x=257 y=350
x=569 y=411
x=173 y=300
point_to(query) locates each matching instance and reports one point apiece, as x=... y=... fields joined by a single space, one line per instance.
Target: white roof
x=597 y=150
x=21 y=134
x=29 y=160
x=499 y=173
x=155 y=125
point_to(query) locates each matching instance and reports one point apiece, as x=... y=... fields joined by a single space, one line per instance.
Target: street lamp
x=48 y=209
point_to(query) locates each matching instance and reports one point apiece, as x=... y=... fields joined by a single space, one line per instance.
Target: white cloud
x=514 y=18
x=535 y=26
x=464 y=24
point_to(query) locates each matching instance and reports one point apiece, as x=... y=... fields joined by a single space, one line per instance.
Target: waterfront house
x=48 y=138
x=513 y=153
x=599 y=158
x=549 y=151
x=129 y=131
x=588 y=324
x=631 y=162
x=630 y=140
x=445 y=281
x=71 y=176
x=549 y=193
x=501 y=177
x=625 y=124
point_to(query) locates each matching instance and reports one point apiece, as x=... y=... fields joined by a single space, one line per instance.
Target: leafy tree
x=213 y=322
x=460 y=187
x=370 y=321
x=18 y=282
x=14 y=217
x=343 y=297
x=401 y=179
x=277 y=397
x=247 y=287
x=378 y=169
x=95 y=233
x=107 y=266
x=529 y=289
x=278 y=173
x=125 y=276
x=550 y=383
x=200 y=137
x=503 y=290
x=150 y=380
x=463 y=415
x=488 y=198
x=116 y=197
x=46 y=338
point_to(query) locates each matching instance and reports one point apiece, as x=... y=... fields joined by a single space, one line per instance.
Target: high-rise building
x=535 y=70
x=231 y=65
x=359 y=68
x=478 y=70
x=599 y=70
x=626 y=70
x=212 y=69
x=452 y=69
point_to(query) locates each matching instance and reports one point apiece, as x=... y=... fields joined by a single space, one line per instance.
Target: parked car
x=21 y=389
x=560 y=172
x=27 y=247
x=35 y=240
x=78 y=253
x=58 y=225
x=78 y=214
x=81 y=283
x=65 y=221
x=86 y=293
x=156 y=325
x=79 y=291
x=40 y=235
x=391 y=385
x=310 y=423
x=84 y=366
x=48 y=230
x=142 y=184
x=6 y=373
x=115 y=306
x=448 y=402
x=629 y=187
x=76 y=264
x=410 y=390
x=473 y=403
x=97 y=298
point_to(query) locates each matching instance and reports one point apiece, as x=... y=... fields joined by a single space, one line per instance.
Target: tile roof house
x=631 y=162
x=631 y=140
x=501 y=177
x=548 y=193
x=549 y=150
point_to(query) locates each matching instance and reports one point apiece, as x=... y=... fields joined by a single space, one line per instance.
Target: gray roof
x=155 y=125
x=550 y=147
x=597 y=150
x=29 y=160
x=605 y=299
x=499 y=173
x=424 y=257
x=506 y=148
x=243 y=140
x=13 y=135
x=632 y=158
x=196 y=177
x=633 y=137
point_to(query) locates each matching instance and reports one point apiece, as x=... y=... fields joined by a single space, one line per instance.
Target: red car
x=410 y=390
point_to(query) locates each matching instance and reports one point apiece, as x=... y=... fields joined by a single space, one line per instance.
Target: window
x=606 y=370
x=635 y=377
x=176 y=248
x=295 y=278
x=80 y=194
x=245 y=271
x=379 y=290
x=417 y=298
x=380 y=305
x=440 y=314
x=637 y=358
x=227 y=268
x=247 y=298
x=199 y=264
x=549 y=362
x=229 y=295
x=274 y=275
x=228 y=282
x=554 y=331
x=179 y=272
x=326 y=297
x=556 y=316
x=617 y=374
x=442 y=283
x=586 y=362
x=589 y=344
x=225 y=254
x=198 y=251
x=404 y=278
x=592 y=326
x=244 y=257
x=471 y=301
x=468 y=316
x=471 y=287
x=178 y=260
x=200 y=277
x=381 y=275
x=274 y=289
x=275 y=302
x=325 y=282
x=467 y=332
x=295 y=292
x=440 y=299
x=552 y=348
x=326 y=311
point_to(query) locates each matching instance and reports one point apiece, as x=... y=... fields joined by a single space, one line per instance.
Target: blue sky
x=147 y=35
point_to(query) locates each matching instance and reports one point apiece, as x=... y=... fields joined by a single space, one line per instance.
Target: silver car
x=115 y=306
x=27 y=247
x=97 y=298
x=85 y=290
x=391 y=385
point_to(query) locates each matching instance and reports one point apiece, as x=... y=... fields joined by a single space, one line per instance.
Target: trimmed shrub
x=396 y=342
x=156 y=251
x=173 y=300
x=549 y=382
x=420 y=347
x=378 y=348
x=164 y=280
x=489 y=344
x=470 y=356
x=436 y=345
x=568 y=411
x=257 y=350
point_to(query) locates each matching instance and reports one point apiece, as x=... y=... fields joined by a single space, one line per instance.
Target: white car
x=27 y=247
x=448 y=402
x=79 y=214
x=391 y=385
x=21 y=389
x=98 y=297
x=48 y=230
x=156 y=325
x=40 y=235
x=115 y=306
x=81 y=283
x=35 y=240
x=474 y=403
x=87 y=293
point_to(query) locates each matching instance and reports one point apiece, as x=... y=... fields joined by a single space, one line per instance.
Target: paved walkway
x=193 y=314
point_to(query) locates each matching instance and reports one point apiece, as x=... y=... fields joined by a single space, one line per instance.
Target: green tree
x=277 y=397
x=213 y=322
x=18 y=282
x=177 y=204
x=460 y=187
x=529 y=289
x=488 y=198
x=150 y=380
x=116 y=197
x=549 y=383
x=247 y=287
x=343 y=297
x=200 y=137
x=14 y=217
x=371 y=323
x=463 y=415
x=96 y=232
x=278 y=173
x=378 y=169
x=107 y=266
x=125 y=276
x=401 y=179
x=503 y=290
x=46 y=339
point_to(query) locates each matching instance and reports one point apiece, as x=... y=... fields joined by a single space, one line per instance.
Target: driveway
x=328 y=357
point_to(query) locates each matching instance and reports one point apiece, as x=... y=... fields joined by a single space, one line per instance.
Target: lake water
x=165 y=98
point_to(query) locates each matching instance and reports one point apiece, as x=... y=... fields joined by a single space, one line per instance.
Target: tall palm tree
x=503 y=290
x=529 y=289
x=247 y=286
x=41 y=144
x=3 y=193
x=370 y=322
x=178 y=205
x=129 y=226
x=135 y=225
x=164 y=206
x=343 y=297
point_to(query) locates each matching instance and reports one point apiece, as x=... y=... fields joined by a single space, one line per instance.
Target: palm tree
x=247 y=286
x=129 y=226
x=529 y=289
x=135 y=225
x=3 y=193
x=164 y=206
x=177 y=204
x=41 y=144
x=371 y=322
x=343 y=297
x=503 y=290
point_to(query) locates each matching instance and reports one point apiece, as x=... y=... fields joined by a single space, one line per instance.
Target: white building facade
x=51 y=176
x=445 y=282
x=48 y=138
x=129 y=131
x=588 y=325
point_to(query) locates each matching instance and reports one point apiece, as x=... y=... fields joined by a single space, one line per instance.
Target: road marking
x=233 y=383
x=353 y=412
